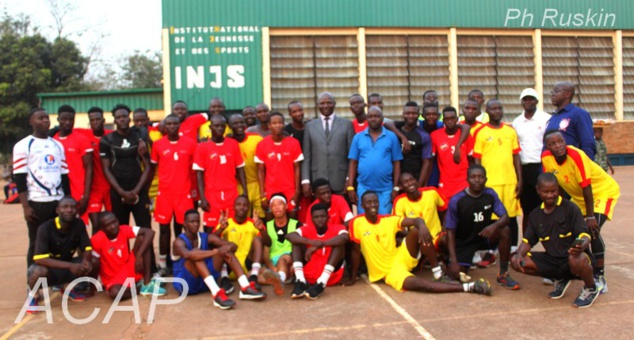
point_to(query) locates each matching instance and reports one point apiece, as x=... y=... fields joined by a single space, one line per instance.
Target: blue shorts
x=196 y=284
x=275 y=259
x=385 y=200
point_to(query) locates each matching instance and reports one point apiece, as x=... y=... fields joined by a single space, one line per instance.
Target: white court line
x=402 y=312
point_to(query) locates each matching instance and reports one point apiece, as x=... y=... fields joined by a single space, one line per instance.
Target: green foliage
x=142 y=71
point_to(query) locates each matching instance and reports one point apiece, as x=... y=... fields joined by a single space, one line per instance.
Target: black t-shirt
x=557 y=230
x=469 y=215
x=54 y=243
x=420 y=143
x=297 y=134
x=123 y=155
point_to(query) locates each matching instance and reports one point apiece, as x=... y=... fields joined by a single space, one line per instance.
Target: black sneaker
x=226 y=284
x=482 y=286
x=587 y=297
x=314 y=291
x=250 y=293
x=254 y=279
x=299 y=290
x=222 y=301
x=560 y=289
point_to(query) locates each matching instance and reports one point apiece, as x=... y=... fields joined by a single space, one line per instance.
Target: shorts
x=167 y=205
x=602 y=205
x=402 y=267
x=276 y=258
x=196 y=284
x=253 y=189
x=555 y=267
x=506 y=193
x=58 y=276
x=465 y=251
x=291 y=205
x=126 y=271
x=315 y=267
x=219 y=201
x=99 y=199
x=385 y=200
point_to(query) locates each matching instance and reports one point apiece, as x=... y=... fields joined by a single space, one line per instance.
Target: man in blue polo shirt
x=375 y=154
x=574 y=122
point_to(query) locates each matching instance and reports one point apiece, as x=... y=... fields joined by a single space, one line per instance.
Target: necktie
x=327 y=129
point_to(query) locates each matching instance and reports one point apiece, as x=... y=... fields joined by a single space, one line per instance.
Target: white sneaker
x=476 y=259
x=548 y=281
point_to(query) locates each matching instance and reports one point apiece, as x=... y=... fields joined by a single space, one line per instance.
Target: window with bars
x=402 y=68
x=500 y=66
x=628 y=78
x=587 y=62
x=302 y=67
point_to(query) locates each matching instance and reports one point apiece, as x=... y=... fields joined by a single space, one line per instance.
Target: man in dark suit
x=327 y=140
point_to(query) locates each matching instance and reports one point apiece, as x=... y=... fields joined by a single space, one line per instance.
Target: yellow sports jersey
x=473 y=128
x=204 y=131
x=153 y=191
x=496 y=147
x=426 y=207
x=242 y=235
x=378 y=242
x=248 y=147
x=577 y=172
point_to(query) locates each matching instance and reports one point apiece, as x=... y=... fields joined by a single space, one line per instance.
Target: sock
x=325 y=275
x=255 y=268
x=437 y=271
x=468 y=286
x=162 y=263
x=243 y=281
x=282 y=276
x=223 y=271
x=504 y=267
x=299 y=271
x=212 y=285
x=513 y=249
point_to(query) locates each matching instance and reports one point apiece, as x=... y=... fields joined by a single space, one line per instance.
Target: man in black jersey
x=295 y=128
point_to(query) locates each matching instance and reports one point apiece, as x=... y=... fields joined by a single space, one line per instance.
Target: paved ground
x=361 y=311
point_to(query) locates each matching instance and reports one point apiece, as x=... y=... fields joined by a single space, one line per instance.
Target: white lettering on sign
x=553 y=17
x=195 y=77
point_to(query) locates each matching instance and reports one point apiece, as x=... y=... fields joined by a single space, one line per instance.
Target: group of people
x=277 y=199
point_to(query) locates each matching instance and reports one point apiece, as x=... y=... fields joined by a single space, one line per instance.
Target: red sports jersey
x=76 y=146
x=113 y=254
x=453 y=177
x=98 y=179
x=189 y=128
x=336 y=214
x=174 y=159
x=219 y=163
x=359 y=127
x=279 y=160
x=310 y=232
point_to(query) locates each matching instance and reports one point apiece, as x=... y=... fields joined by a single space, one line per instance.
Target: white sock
x=243 y=281
x=212 y=285
x=282 y=276
x=325 y=275
x=437 y=271
x=255 y=268
x=223 y=271
x=467 y=286
x=513 y=249
x=162 y=262
x=299 y=271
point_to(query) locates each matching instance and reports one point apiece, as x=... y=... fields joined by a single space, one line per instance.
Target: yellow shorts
x=402 y=267
x=507 y=196
x=602 y=205
x=254 y=197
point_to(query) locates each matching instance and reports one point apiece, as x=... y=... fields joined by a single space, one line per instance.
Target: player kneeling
x=321 y=246
x=116 y=263
x=197 y=258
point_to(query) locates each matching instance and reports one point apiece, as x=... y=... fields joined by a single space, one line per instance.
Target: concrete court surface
x=361 y=311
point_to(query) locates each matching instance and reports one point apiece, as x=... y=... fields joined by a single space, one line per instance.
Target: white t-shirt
x=43 y=161
x=530 y=133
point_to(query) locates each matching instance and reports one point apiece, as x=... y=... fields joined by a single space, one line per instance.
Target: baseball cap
x=529 y=92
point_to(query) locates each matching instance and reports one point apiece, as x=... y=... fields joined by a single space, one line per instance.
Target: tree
x=29 y=64
x=142 y=71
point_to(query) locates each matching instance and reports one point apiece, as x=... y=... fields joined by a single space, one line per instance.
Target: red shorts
x=126 y=271
x=99 y=198
x=315 y=267
x=219 y=201
x=167 y=205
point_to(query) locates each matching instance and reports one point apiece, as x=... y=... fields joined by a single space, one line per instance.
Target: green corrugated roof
x=149 y=99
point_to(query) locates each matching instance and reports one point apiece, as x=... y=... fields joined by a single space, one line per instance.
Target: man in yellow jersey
x=497 y=148
x=589 y=187
x=470 y=110
x=244 y=233
x=374 y=236
x=248 y=142
x=216 y=107
x=423 y=203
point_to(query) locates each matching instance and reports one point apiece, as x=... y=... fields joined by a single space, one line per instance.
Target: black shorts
x=556 y=268
x=465 y=252
x=58 y=276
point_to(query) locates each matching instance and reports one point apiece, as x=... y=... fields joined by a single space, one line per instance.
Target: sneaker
x=548 y=281
x=604 y=283
x=32 y=305
x=560 y=289
x=153 y=288
x=488 y=260
x=251 y=293
x=587 y=297
x=226 y=284
x=476 y=259
x=222 y=301
x=273 y=279
x=507 y=281
x=254 y=279
x=314 y=291
x=482 y=286
x=299 y=290
x=74 y=295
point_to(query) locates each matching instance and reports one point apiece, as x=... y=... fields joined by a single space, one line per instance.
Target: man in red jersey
x=338 y=209
x=218 y=164
x=444 y=141
x=189 y=126
x=173 y=155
